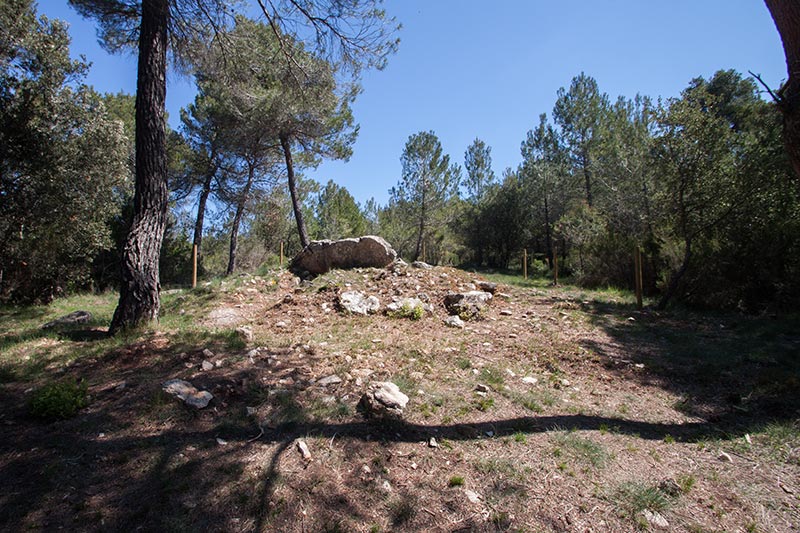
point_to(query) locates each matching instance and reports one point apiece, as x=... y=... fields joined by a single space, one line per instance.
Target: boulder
x=383 y=399
x=454 y=321
x=466 y=304
x=359 y=303
x=487 y=286
x=321 y=256
x=76 y=317
x=421 y=264
x=406 y=307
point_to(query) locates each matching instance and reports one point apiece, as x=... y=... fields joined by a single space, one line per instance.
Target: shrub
x=59 y=401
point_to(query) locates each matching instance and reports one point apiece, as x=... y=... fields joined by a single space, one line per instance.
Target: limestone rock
x=321 y=256
x=383 y=399
x=655 y=519
x=454 y=321
x=76 y=317
x=466 y=304
x=245 y=332
x=329 y=380
x=421 y=264
x=487 y=286
x=359 y=303
x=188 y=393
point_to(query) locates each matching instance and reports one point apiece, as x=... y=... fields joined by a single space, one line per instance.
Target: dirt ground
x=555 y=410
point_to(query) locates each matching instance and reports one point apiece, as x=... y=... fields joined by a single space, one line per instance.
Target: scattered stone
x=512 y=335
x=321 y=256
x=245 y=332
x=421 y=264
x=466 y=304
x=329 y=380
x=383 y=399
x=472 y=496
x=302 y=447
x=670 y=487
x=207 y=365
x=505 y=312
x=222 y=442
x=76 y=317
x=386 y=486
x=748 y=439
x=359 y=303
x=281 y=324
x=481 y=388
x=188 y=393
x=414 y=466
x=454 y=321
x=208 y=354
x=529 y=380
x=487 y=286
x=510 y=373
x=407 y=306
x=725 y=457
x=432 y=442
x=251 y=411
x=655 y=519
x=366 y=469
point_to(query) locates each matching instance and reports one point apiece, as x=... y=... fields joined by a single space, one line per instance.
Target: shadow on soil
x=735 y=373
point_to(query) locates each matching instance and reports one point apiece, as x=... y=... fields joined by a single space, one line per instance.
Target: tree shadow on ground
x=728 y=369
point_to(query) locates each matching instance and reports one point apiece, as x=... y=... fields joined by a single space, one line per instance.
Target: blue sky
x=471 y=68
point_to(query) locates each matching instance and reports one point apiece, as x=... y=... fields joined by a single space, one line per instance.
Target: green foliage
x=59 y=401
x=633 y=498
x=63 y=161
x=456 y=481
x=337 y=214
x=412 y=312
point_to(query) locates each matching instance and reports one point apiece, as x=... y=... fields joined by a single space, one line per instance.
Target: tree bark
x=139 y=292
x=298 y=212
x=786 y=14
x=237 y=220
x=201 y=212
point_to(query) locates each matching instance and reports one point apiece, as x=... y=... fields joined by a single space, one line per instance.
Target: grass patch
x=412 y=312
x=59 y=401
x=492 y=376
x=631 y=498
x=580 y=449
x=456 y=481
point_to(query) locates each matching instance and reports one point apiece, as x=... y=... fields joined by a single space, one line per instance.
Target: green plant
x=463 y=363
x=60 y=400
x=456 y=481
x=492 y=376
x=414 y=312
x=633 y=498
x=669 y=439
x=520 y=437
x=484 y=403
x=686 y=482
x=580 y=448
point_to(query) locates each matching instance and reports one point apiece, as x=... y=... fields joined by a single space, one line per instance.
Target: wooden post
x=194 y=266
x=555 y=265
x=281 y=254
x=525 y=263
x=637 y=266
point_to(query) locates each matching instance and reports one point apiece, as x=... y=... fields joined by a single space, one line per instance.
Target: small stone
x=505 y=312
x=432 y=443
x=222 y=442
x=655 y=519
x=188 y=393
x=725 y=457
x=747 y=438
x=329 y=380
x=472 y=496
x=413 y=466
x=76 y=317
x=481 y=388
x=207 y=365
x=251 y=411
x=366 y=469
x=302 y=447
x=490 y=433
x=386 y=486
x=208 y=354
x=510 y=373
x=245 y=332
x=530 y=380
x=639 y=365
x=512 y=335
x=454 y=321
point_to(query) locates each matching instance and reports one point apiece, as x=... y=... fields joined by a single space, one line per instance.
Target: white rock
x=454 y=321
x=359 y=303
x=303 y=449
x=655 y=519
x=208 y=354
x=207 y=365
x=188 y=393
x=530 y=380
x=329 y=380
x=432 y=442
x=472 y=496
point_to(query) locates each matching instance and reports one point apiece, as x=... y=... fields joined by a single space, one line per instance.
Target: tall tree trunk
x=237 y=220
x=201 y=212
x=786 y=14
x=139 y=291
x=548 y=232
x=587 y=177
x=675 y=279
x=298 y=212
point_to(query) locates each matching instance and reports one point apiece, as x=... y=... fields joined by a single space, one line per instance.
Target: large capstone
x=361 y=252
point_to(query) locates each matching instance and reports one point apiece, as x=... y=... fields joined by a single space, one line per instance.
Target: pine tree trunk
x=786 y=14
x=675 y=279
x=139 y=292
x=201 y=212
x=237 y=220
x=298 y=212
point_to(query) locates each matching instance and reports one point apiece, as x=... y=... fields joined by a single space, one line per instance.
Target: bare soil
x=556 y=410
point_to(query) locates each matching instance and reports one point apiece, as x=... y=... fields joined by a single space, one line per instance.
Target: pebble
x=329 y=380
x=207 y=365
x=432 y=442
x=472 y=496
x=529 y=380
x=302 y=447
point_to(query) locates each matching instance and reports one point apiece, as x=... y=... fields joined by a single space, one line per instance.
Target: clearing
x=558 y=410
